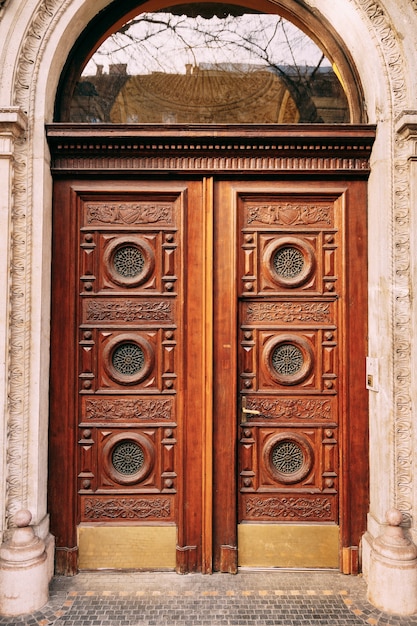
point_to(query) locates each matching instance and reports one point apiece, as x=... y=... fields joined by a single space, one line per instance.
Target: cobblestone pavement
x=261 y=598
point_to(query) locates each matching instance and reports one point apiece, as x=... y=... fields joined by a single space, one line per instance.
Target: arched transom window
x=206 y=64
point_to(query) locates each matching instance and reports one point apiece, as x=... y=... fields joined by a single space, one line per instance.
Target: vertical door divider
x=207 y=422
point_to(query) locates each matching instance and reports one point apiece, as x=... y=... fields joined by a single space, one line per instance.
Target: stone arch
x=48 y=23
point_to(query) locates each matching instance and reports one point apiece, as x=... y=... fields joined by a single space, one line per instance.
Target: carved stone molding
x=19 y=344
x=406 y=151
x=13 y=123
x=12 y=128
x=402 y=333
x=382 y=29
x=406 y=127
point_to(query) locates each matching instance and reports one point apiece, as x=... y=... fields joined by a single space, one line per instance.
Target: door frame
x=300 y=152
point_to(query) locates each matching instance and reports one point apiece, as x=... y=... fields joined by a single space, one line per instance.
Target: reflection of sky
x=161 y=42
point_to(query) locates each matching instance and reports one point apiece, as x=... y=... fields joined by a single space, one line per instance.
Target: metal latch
x=246 y=411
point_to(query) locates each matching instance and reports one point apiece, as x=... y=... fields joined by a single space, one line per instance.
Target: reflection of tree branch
x=169 y=26
x=299 y=86
x=291 y=50
x=314 y=72
x=259 y=44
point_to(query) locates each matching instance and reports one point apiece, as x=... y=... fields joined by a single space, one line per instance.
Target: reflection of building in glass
x=222 y=93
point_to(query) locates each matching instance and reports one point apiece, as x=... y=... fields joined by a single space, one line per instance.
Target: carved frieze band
x=121 y=310
x=126 y=508
x=121 y=409
x=286 y=508
x=288 y=312
x=289 y=214
x=290 y=409
x=128 y=213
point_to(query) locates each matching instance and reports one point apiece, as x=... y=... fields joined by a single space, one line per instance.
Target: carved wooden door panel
x=300 y=360
x=129 y=326
x=208 y=354
x=120 y=337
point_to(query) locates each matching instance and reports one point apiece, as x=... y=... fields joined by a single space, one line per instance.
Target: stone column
x=22 y=553
x=392 y=583
x=389 y=562
x=24 y=575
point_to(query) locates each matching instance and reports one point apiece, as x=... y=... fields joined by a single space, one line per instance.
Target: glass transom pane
x=230 y=65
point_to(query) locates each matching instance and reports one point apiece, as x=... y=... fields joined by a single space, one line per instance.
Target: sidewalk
x=261 y=598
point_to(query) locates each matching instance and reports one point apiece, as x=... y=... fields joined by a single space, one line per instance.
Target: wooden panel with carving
x=159 y=323
x=130 y=324
x=291 y=280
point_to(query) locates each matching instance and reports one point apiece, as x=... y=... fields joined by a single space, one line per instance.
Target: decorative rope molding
x=29 y=62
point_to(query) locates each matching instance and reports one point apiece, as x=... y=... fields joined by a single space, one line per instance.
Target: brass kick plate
x=127 y=547
x=292 y=546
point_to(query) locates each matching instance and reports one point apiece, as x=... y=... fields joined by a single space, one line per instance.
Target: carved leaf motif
x=291 y=408
x=289 y=508
x=128 y=311
x=314 y=312
x=287 y=214
x=126 y=508
x=122 y=409
x=129 y=213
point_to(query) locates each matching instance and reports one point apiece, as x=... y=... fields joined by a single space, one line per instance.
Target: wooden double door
x=208 y=403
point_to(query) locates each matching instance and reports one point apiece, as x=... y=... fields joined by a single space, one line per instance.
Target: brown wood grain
x=209 y=282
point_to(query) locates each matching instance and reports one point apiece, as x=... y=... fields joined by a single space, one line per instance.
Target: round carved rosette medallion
x=288 y=457
x=128 y=359
x=290 y=261
x=128 y=458
x=129 y=261
x=288 y=359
